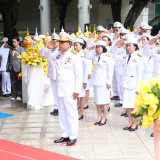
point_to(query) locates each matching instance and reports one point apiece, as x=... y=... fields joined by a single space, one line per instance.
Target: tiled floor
x=38 y=128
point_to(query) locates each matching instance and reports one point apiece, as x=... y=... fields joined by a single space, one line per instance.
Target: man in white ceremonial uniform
x=152 y=50
x=6 y=82
x=52 y=73
x=117 y=51
x=101 y=31
x=69 y=84
x=116 y=30
x=92 y=40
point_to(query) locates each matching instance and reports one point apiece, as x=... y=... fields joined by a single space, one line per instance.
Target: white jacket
x=4 y=53
x=103 y=69
x=69 y=72
x=133 y=71
x=85 y=65
x=155 y=53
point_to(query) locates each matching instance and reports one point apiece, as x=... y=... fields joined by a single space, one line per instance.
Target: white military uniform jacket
x=155 y=53
x=52 y=67
x=4 y=53
x=118 y=53
x=85 y=71
x=69 y=72
x=133 y=70
x=103 y=68
x=148 y=65
x=85 y=66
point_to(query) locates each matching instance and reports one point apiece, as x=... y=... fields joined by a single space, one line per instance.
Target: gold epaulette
x=73 y=51
x=87 y=47
x=140 y=55
x=108 y=55
x=83 y=51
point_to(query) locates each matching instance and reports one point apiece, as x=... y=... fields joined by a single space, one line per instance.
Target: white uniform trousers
x=54 y=90
x=120 y=87
x=114 y=85
x=6 y=83
x=68 y=117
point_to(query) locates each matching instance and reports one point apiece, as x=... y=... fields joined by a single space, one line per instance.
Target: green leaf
x=143 y=110
x=140 y=121
x=134 y=114
x=145 y=106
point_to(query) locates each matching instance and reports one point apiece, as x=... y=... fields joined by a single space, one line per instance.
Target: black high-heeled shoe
x=127 y=128
x=81 y=117
x=97 y=123
x=109 y=109
x=86 y=107
x=101 y=124
x=123 y=114
x=133 y=129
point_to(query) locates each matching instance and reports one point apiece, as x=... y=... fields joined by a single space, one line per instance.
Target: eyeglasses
x=122 y=34
x=144 y=30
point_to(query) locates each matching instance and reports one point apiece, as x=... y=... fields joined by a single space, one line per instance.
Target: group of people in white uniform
x=114 y=64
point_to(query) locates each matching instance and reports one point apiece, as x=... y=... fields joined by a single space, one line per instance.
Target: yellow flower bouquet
x=147 y=102
x=31 y=57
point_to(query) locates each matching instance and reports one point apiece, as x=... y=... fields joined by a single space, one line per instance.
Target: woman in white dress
x=133 y=74
x=101 y=79
x=78 y=47
x=90 y=70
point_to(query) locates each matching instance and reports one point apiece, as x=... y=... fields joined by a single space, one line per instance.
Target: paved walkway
x=38 y=129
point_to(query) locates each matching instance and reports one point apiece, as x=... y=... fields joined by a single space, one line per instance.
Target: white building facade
x=43 y=15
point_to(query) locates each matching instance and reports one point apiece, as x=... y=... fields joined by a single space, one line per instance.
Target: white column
x=45 y=18
x=83 y=13
x=143 y=17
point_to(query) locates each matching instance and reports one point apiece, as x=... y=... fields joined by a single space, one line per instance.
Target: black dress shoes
x=118 y=105
x=127 y=128
x=97 y=123
x=71 y=142
x=61 y=140
x=126 y=115
x=55 y=112
x=152 y=135
x=115 y=98
x=81 y=117
x=109 y=109
x=5 y=95
x=133 y=129
x=101 y=124
x=86 y=107
x=123 y=114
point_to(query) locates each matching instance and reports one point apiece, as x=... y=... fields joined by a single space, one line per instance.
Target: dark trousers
x=16 y=85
